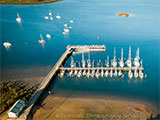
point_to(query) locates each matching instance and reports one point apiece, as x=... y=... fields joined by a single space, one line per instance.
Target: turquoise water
x=92 y=19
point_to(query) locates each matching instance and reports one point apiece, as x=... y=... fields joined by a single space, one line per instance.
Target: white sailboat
x=114 y=61
x=18 y=19
x=130 y=74
x=121 y=63
x=129 y=62
x=136 y=59
x=58 y=16
x=106 y=73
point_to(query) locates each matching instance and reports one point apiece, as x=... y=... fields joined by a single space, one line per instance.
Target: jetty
x=48 y=79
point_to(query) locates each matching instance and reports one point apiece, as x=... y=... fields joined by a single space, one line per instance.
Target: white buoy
x=71 y=21
x=51 y=18
x=58 y=16
x=46 y=17
x=7 y=44
x=50 y=13
x=48 y=36
x=18 y=19
x=65 y=25
x=70 y=27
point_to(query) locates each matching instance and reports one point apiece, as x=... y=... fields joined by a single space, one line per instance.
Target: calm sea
x=95 y=22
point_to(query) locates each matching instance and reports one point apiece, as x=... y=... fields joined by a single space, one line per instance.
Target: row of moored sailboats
x=111 y=71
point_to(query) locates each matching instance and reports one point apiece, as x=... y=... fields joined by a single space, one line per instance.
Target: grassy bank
x=26 y=2
x=13 y=91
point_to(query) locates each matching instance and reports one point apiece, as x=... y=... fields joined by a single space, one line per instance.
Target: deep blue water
x=92 y=19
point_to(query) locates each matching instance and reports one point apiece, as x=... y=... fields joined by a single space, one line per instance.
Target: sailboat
x=129 y=62
x=121 y=63
x=114 y=61
x=18 y=19
x=42 y=41
x=58 y=16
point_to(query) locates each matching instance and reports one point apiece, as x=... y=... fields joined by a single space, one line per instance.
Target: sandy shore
x=69 y=108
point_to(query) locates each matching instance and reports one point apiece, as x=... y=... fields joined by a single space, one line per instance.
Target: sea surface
x=95 y=23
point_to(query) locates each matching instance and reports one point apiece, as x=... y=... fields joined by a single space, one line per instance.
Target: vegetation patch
x=10 y=92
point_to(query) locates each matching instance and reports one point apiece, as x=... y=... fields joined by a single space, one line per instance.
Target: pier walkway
x=102 y=68
x=53 y=72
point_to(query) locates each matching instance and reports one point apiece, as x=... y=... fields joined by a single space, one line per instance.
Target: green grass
x=26 y=2
x=12 y=91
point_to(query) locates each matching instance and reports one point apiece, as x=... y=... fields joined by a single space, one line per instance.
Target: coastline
x=88 y=108
x=5 y=2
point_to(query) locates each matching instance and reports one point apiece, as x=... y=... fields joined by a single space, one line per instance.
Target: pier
x=126 y=69
x=53 y=72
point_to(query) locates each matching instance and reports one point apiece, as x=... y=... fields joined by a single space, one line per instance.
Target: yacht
x=83 y=61
x=7 y=44
x=93 y=73
x=115 y=73
x=136 y=59
x=62 y=73
x=42 y=41
x=48 y=36
x=141 y=75
x=135 y=73
x=58 y=16
x=50 y=13
x=89 y=61
x=106 y=73
x=114 y=61
x=107 y=62
x=97 y=74
x=88 y=74
x=66 y=30
x=71 y=73
x=111 y=73
x=79 y=74
x=130 y=74
x=75 y=72
x=121 y=63
x=84 y=73
x=102 y=73
x=120 y=73
x=72 y=62
x=129 y=62
x=18 y=19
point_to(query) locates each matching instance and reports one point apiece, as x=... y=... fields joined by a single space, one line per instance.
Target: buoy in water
x=48 y=36
x=18 y=19
x=70 y=27
x=7 y=44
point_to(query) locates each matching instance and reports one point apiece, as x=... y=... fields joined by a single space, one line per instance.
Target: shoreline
x=5 y=2
x=70 y=108
x=86 y=94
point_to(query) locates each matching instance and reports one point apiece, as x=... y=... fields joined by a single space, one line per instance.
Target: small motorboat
x=7 y=44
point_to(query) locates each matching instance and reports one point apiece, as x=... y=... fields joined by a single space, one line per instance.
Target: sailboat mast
x=122 y=54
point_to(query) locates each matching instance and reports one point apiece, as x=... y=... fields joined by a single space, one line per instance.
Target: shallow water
x=95 y=22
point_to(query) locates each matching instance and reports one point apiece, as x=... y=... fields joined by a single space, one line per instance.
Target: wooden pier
x=126 y=69
x=53 y=72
